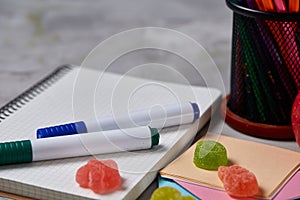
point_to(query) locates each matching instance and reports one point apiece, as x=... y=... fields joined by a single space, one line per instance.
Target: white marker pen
x=156 y=117
x=111 y=141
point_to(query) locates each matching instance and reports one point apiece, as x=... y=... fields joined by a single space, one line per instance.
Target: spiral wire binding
x=35 y=90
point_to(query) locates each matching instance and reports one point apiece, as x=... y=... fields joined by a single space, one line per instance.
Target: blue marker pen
x=78 y=145
x=156 y=117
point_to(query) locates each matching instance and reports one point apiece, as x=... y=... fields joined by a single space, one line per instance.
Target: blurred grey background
x=36 y=36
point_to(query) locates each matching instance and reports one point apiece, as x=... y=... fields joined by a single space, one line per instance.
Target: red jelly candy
x=296 y=118
x=99 y=176
x=238 y=181
x=82 y=176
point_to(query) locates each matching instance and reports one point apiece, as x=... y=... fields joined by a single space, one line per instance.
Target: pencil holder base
x=261 y=130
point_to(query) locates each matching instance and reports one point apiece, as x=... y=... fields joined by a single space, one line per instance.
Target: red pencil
x=265 y=5
x=268 y=5
x=260 y=5
x=293 y=5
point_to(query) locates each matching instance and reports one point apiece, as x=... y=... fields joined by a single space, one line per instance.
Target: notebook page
x=81 y=94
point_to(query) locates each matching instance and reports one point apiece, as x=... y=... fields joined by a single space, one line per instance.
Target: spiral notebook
x=73 y=93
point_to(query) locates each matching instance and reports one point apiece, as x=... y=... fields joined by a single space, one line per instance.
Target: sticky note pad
x=289 y=191
x=272 y=166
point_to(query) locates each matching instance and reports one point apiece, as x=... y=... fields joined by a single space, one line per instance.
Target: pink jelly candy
x=238 y=181
x=82 y=176
x=100 y=176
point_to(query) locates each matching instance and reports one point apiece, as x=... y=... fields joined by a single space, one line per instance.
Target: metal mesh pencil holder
x=265 y=71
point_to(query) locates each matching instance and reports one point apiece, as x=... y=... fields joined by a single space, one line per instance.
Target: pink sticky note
x=289 y=190
x=206 y=193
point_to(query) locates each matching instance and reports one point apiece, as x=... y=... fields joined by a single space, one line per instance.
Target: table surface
x=37 y=36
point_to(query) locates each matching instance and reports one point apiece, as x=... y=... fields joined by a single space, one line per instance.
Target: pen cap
x=154 y=136
x=15 y=152
x=61 y=130
x=196 y=111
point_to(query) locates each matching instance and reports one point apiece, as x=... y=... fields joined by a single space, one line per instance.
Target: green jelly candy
x=210 y=155
x=168 y=193
x=165 y=193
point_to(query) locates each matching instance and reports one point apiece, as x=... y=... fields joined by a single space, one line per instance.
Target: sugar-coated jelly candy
x=169 y=193
x=238 y=181
x=100 y=176
x=82 y=176
x=210 y=155
x=296 y=118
